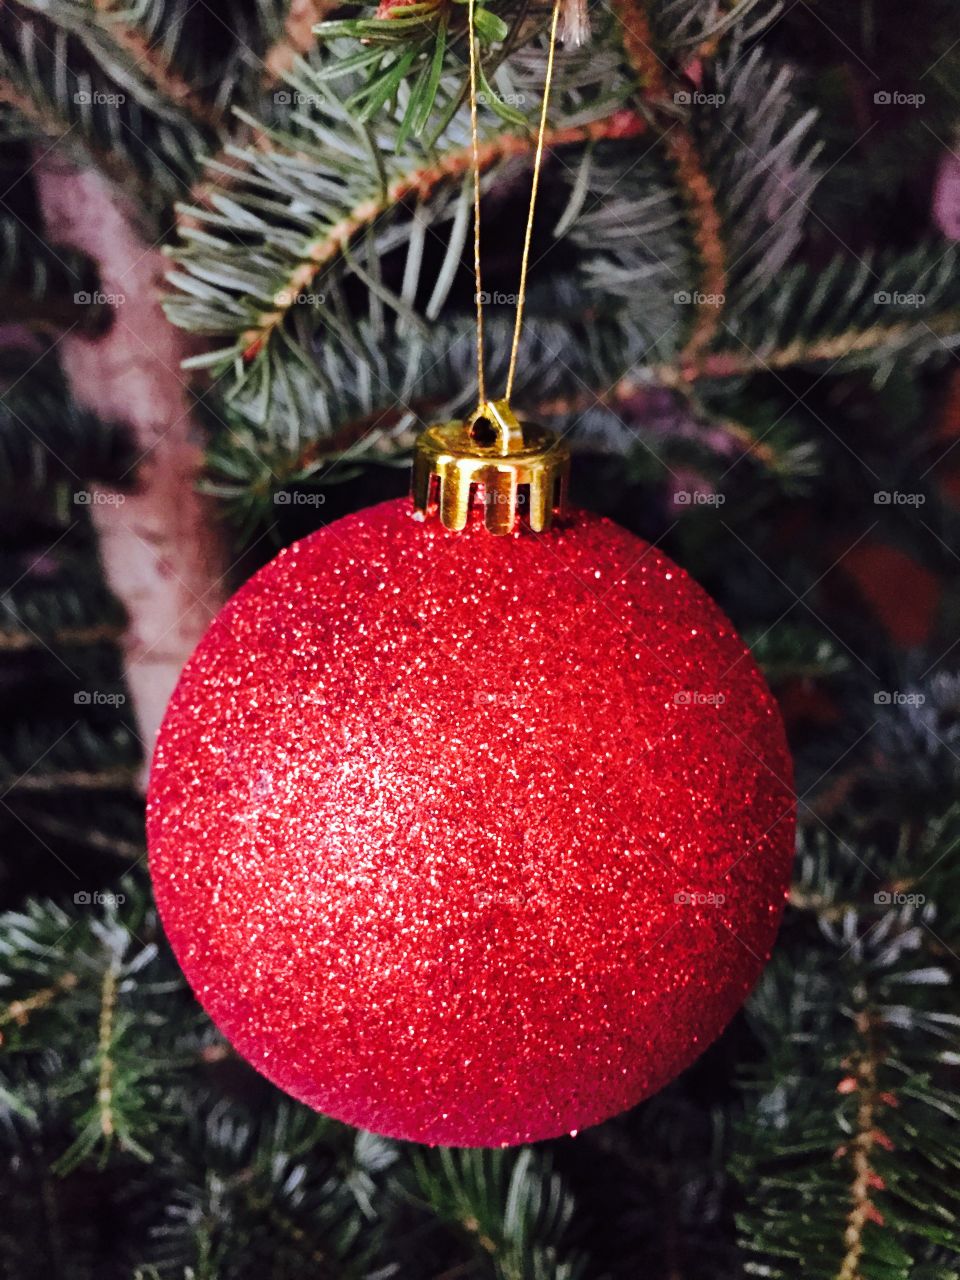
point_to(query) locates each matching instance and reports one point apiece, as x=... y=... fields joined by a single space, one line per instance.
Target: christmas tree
x=235 y=255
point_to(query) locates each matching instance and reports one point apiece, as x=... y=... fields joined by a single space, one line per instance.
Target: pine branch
x=695 y=186
x=701 y=25
x=846 y=1149
x=181 y=63
x=862 y=312
x=269 y=1187
x=220 y=54
x=151 y=58
x=77 y=828
x=91 y=984
x=19 y=1011
x=215 y=302
x=510 y=1208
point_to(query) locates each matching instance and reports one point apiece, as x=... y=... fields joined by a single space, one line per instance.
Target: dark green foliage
x=71 y=81
x=45 y=435
x=866 y=1170
x=47 y=286
x=509 y=1204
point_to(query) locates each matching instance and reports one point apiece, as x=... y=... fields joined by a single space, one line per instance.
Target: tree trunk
x=162 y=553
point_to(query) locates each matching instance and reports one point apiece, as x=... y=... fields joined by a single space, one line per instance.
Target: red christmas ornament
x=471 y=840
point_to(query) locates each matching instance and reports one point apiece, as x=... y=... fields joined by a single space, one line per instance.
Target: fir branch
x=36 y=113
x=701 y=25
x=74 y=84
x=864 y=312
x=762 y=157
x=47 y=755
x=268 y=1187
x=150 y=58
x=46 y=436
x=846 y=1147
x=697 y=190
x=419 y=181
x=43 y=121
x=63 y=605
x=511 y=1208
x=89 y=837
x=879 y=338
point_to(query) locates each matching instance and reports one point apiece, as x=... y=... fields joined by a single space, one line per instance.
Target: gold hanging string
x=525 y=261
x=528 y=235
x=474 y=133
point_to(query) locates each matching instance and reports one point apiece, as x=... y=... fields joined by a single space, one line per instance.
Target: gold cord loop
x=474 y=134
x=534 y=187
x=528 y=235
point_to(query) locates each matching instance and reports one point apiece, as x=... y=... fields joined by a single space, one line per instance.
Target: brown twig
x=736 y=364
x=19 y=1011
x=108 y=1003
x=67 y=638
x=118 y=779
x=868 y=1136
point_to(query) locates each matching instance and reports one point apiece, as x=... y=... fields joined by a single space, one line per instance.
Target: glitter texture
x=471 y=840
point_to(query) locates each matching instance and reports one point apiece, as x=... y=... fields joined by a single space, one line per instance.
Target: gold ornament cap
x=494 y=458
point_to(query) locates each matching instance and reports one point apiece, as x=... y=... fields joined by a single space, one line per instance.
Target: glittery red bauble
x=471 y=840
